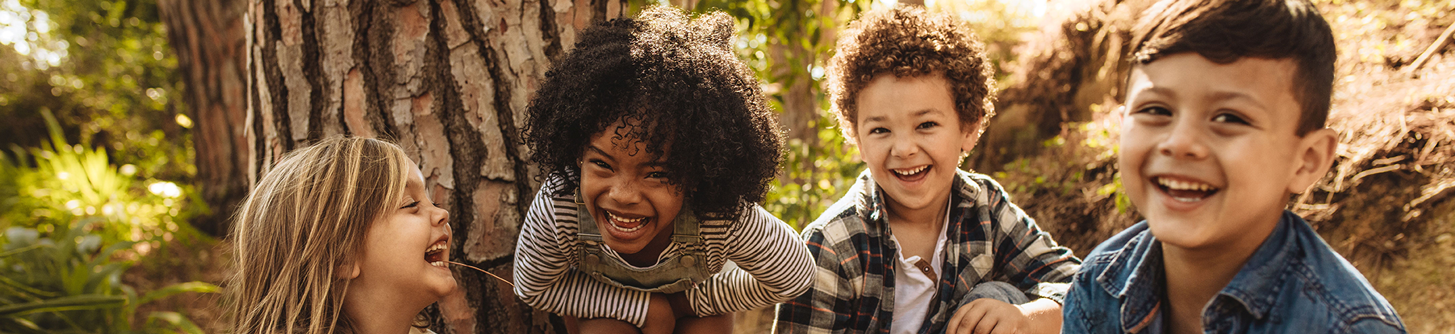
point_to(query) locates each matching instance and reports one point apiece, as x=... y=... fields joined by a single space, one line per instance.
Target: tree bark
x=449 y=81
x=207 y=37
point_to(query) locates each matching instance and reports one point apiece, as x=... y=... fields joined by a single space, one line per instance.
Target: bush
x=69 y=282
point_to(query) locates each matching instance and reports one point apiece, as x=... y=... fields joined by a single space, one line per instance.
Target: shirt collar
x=962 y=192
x=1134 y=276
x=1256 y=284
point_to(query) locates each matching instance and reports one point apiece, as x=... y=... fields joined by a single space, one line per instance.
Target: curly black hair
x=672 y=80
x=907 y=41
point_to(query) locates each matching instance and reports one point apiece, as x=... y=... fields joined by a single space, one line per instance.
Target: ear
x=970 y=135
x=1315 y=154
x=348 y=271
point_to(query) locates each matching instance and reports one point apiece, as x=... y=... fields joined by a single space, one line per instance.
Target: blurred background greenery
x=99 y=190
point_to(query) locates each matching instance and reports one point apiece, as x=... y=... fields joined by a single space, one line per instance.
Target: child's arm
x=775 y=267
x=826 y=307
x=545 y=280
x=1025 y=256
x=987 y=315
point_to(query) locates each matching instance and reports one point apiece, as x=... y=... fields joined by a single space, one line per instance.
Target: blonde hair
x=303 y=226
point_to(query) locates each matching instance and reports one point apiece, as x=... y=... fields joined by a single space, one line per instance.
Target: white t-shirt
x=914 y=288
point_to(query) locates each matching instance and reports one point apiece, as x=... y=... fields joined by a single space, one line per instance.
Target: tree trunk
x=207 y=37
x=448 y=80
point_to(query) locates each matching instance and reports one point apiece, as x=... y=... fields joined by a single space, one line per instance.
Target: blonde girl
x=339 y=237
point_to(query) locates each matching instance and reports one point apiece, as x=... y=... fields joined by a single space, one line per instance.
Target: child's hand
x=986 y=316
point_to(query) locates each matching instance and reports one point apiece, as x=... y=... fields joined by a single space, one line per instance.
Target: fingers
x=966 y=318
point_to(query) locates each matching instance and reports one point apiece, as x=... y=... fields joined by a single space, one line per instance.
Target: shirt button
x=592 y=259
x=688 y=261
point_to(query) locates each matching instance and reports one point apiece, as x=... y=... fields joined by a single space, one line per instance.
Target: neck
x=1194 y=276
x=375 y=311
x=931 y=216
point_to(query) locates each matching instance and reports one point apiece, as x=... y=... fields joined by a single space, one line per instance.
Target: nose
x=903 y=147
x=625 y=192
x=440 y=216
x=1185 y=141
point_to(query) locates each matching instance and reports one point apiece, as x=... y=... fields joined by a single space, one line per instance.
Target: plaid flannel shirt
x=988 y=239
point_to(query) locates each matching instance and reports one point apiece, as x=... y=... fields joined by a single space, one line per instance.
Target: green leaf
x=68 y=303
x=175 y=319
x=193 y=286
x=35 y=293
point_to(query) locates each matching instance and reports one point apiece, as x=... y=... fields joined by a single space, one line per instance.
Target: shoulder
x=1113 y=261
x=845 y=223
x=1327 y=279
x=847 y=215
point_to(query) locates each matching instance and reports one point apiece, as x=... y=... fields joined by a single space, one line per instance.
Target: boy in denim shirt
x=918 y=245
x=1225 y=110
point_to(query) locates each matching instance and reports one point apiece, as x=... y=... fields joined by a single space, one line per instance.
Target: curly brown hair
x=907 y=41
x=672 y=80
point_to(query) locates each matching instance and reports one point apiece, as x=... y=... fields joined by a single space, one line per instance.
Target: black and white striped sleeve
x=773 y=266
x=545 y=279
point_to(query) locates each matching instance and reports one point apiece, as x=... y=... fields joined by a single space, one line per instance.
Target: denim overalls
x=673 y=274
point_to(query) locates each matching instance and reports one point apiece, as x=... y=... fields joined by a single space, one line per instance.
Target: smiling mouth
x=1185 y=191
x=910 y=174
x=626 y=224
x=435 y=255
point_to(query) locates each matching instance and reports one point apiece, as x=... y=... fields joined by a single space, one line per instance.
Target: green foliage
x=70 y=282
x=104 y=68
x=786 y=42
x=828 y=170
x=68 y=181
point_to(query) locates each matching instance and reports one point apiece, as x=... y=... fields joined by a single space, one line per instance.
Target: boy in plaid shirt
x=918 y=245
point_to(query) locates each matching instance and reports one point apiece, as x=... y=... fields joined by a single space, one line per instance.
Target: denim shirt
x=1293 y=283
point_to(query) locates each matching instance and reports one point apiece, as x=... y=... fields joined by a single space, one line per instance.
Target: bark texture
x=449 y=81
x=207 y=37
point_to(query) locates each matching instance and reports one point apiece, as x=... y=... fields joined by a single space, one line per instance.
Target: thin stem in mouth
x=507 y=282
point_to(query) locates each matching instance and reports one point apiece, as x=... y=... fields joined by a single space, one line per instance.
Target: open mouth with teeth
x=626 y=224
x=1185 y=191
x=436 y=254
x=911 y=174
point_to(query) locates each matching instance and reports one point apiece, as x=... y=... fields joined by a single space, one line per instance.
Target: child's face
x=1209 y=152
x=408 y=248
x=626 y=190
x=910 y=135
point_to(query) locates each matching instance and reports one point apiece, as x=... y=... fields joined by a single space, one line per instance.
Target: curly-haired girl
x=339 y=237
x=657 y=143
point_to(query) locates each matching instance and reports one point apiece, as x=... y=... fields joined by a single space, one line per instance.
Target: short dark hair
x=1224 y=31
x=906 y=41
x=672 y=81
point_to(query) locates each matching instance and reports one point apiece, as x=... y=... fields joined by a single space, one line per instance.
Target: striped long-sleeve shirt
x=773 y=264
x=988 y=239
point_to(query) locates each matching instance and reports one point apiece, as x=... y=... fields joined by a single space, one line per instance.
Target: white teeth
x=438 y=248
x=1187 y=200
x=615 y=218
x=910 y=172
x=624 y=220
x=1184 y=185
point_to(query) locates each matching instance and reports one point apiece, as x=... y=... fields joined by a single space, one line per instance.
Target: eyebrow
x=659 y=162
x=1225 y=96
x=599 y=151
x=918 y=113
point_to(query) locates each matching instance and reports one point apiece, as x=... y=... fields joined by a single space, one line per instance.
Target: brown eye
x=1229 y=118
x=1159 y=111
